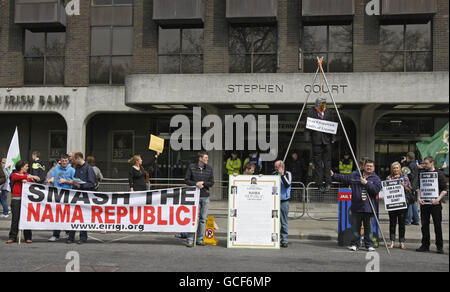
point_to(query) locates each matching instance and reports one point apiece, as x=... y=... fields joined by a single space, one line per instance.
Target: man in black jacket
x=297 y=167
x=38 y=167
x=200 y=174
x=85 y=173
x=321 y=145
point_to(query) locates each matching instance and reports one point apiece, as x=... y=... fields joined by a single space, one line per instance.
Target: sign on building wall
x=254 y=212
x=57 y=144
x=123 y=145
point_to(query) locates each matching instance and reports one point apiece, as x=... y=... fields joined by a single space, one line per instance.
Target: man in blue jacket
x=363 y=189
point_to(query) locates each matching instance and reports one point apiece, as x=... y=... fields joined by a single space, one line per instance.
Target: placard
x=429 y=186
x=321 y=126
x=254 y=212
x=156 y=144
x=394 y=195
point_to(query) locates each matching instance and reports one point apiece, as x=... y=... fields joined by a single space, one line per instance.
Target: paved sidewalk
x=302 y=226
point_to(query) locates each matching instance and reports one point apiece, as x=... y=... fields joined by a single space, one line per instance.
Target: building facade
x=102 y=81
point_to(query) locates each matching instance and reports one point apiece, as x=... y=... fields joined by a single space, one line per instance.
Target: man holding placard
x=322 y=128
x=433 y=189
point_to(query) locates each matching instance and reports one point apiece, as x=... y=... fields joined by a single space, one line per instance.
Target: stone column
x=366 y=132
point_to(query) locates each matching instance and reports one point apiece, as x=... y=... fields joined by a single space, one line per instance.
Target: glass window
x=406 y=47
x=111 y=47
x=44 y=58
x=180 y=51
x=253 y=49
x=332 y=42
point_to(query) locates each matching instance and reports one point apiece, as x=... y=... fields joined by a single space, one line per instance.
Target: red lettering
x=109 y=211
x=149 y=211
x=96 y=214
x=171 y=216
x=62 y=216
x=48 y=214
x=33 y=212
x=160 y=221
x=138 y=219
x=186 y=220
x=77 y=215
x=121 y=212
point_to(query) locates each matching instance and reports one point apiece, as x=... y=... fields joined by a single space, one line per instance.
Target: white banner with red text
x=164 y=210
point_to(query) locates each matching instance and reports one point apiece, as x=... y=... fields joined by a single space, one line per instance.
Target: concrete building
x=104 y=80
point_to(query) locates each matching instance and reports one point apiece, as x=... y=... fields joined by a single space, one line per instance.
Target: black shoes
x=440 y=251
x=284 y=245
x=423 y=249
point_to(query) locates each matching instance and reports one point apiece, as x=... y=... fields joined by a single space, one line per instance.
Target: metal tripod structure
x=322 y=73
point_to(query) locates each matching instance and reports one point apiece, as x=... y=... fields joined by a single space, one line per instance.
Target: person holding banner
x=17 y=179
x=321 y=145
x=399 y=215
x=433 y=189
x=137 y=175
x=364 y=188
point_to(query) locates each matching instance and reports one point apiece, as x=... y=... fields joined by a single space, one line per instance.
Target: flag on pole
x=13 y=154
x=436 y=146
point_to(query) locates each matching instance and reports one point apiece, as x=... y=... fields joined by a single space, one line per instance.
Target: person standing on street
x=409 y=162
x=432 y=208
x=285 y=196
x=346 y=165
x=364 y=188
x=137 y=175
x=296 y=167
x=4 y=183
x=233 y=164
x=85 y=173
x=200 y=174
x=38 y=167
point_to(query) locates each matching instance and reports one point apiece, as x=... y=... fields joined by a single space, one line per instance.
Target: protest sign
x=165 y=210
x=394 y=195
x=429 y=186
x=156 y=144
x=321 y=126
x=254 y=212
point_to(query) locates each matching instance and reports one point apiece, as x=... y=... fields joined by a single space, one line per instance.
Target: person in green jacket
x=233 y=164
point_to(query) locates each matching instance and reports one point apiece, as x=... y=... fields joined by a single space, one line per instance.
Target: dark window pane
x=34 y=71
x=56 y=43
x=192 y=40
x=34 y=43
x=191 y=64
x=240 y=40
x=169 y=64
x=315 y=38
x=418 y=62
x=240 y=64
x=341 y=39
x=340 y=62
x=102 y=2
x=264 y=39
x=122 y=41
x=392 y=62
x=102 y=15
x=100 y=41
x=123 y=15
x=54 y=70
x=121 y=67
x=418 y=37
x=264 y=63
x=310 y=62
x=169 y=41
x=391 y=37
x=121 y=2
x=99 y=70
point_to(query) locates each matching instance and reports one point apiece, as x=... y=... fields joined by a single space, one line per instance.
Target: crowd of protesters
x=72 y=171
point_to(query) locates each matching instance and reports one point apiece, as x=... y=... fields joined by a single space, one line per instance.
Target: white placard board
x=322 y=126
x=394 y=195
x=429 y=186
x=254 y=212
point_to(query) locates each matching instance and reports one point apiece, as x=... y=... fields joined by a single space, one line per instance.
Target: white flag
x=13 y=154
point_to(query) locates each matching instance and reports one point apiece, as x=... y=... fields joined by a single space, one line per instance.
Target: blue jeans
x=203 y=215
x=4 y=199
x=413 y=214
x=284 y=221
x=356 y=220
x=83 y=235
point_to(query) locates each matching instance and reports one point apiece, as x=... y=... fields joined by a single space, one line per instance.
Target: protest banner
x=156 y=144
x=394 y=195
x=322 y=126
x=165 y=210
x=254 y=212
x=429 y=186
